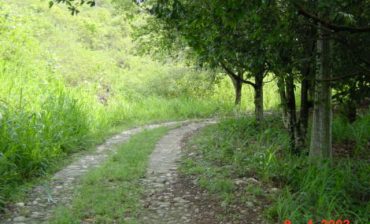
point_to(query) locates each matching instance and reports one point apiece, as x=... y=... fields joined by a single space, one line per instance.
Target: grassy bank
x=238 y=148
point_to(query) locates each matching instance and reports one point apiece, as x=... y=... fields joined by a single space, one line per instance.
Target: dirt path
x=170 y=198
x=174 y=198
x=166 y=202
x=59 y=190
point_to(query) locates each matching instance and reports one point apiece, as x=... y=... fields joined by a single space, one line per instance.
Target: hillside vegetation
x=289 y=81
x=66 y=81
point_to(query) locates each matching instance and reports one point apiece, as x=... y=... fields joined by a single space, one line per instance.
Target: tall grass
x=32 y=140
x=330 y=191
x=238 y=148
x=356 y=133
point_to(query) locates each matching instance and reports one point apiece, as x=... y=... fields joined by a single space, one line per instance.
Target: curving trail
x=174 y=198
x=164 y=202
x=59 y=190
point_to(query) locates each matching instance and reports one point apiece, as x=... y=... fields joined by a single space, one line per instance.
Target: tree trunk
x=307 y=72
x=288 y=103
x=258 y=97
x=350 y=110
x=283 y=101
x=321 y=137
x=353 y=101
x=238 y=91
x=292 y=117
x=304 y=111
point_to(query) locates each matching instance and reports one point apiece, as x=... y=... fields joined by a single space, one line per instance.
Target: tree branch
x=270 y=80
x=328 y=24
x=234 y=76
x=338 y=78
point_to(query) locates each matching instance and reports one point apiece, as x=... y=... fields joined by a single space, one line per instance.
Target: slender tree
x=336 y=24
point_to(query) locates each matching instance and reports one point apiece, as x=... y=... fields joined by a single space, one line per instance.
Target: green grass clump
x=111 y=192
x=356 y=133
x=32 y=141
x=239 y=148
x=329 y=191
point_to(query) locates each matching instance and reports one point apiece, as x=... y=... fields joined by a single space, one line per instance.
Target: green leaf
x=51 y=3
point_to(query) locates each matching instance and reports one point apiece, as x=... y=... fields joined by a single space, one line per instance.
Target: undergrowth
x=31 y=141
x=239 y=148
x=356 y=134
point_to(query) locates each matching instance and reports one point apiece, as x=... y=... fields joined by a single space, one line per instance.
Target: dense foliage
x=303 y=42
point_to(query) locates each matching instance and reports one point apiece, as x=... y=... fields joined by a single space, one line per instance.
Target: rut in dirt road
x=41 y=200
x=164 y=204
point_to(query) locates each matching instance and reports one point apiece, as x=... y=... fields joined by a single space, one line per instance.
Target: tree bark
x=307 y=72
x=283 y=101
x=292 y=116
x=258 y=97
x=321 y=137
x=304 y=112
x=289 y=107
x=238 y=91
